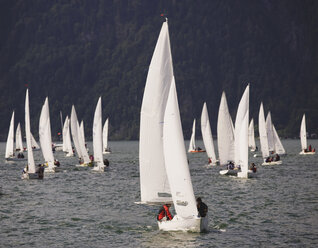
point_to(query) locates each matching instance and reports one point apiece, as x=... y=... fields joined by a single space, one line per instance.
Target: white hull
x=98 y=169
x=70 y=155
x=84 y=165
x=272 y=163
x=229 y=172
x=196 y=224
x=307 y=153
x=106 y=152
x=50 y=169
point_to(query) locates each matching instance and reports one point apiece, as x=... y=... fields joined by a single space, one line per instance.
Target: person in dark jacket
x=202 y=207
x=164 y=212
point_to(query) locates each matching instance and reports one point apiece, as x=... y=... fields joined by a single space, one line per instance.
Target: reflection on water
x=78 y=208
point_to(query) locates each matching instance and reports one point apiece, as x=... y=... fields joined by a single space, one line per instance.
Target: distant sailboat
x=78 y=141
x=241 y=140
x=18 y=139
x=207 y=135
x=225 y=133
x=279 y=148
x=10 y=141
x=97 y=138
x=106 y=149
x=262 y=128
x=303 y=139
x=192 y=146
x=177 y=168
x=46 y=137
x=30 y=172
x=251 y=136
x=82 y=134
x=67 y=143
x=154 y=185
x=274 y=143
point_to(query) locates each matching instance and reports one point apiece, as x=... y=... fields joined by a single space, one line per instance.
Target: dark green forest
x=75 y=51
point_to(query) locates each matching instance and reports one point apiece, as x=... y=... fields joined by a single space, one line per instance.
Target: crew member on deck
x=202 y=207
x=164 y=212
x=277 y=158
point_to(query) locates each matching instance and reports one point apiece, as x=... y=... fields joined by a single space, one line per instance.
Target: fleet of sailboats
x=164 y=167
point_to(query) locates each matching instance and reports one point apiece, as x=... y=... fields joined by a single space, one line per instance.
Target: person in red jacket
x=164 y=212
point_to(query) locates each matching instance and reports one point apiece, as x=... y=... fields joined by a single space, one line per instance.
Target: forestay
x=154 y=185
x=176 y=162
x=31 y=165
x=242 y=110
x=225 y=132
x=262 y=132
x=192 y=146
x=303 y=133
x=97 y=135
x=10 y=139
x=207 y=134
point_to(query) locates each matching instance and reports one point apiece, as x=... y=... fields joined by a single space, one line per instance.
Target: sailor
x=253 y=167
x=57 y=163
x=210 y=161
x=91 y=157
x=256 y=148
x=106 y=162
x=309 y=148
x=164 y=212
x=202 y=207
x=277 y=158
x=230 y=166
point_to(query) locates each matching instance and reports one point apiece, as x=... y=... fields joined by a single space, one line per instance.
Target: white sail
x=97 y=135
x=77 y=138
x=251 y=135
x=207 y=134
x=34 y=144
x=64 y=133
x=242 y=109
x=82 y=132
x=69 y=148
x=263 y=132
x=31 y=164
x=243 y=147
x=18 y=139
x=154 y=185
x=270 y=132
x=303 y=133
x=45 y=134
x=192 y=146
x=10 y=139
x=225 y=132
x=279 y=149
x=176 y=162
x=105 y=135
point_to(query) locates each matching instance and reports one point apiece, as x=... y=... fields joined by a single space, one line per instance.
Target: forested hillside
x=74 y=51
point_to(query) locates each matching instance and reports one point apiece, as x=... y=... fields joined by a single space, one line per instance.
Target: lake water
x=79 y=208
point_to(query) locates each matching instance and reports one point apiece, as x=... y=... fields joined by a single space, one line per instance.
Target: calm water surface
x=79 y=208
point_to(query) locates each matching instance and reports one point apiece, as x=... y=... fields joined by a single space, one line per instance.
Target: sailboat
x=30 y=172
x=251 y=136
x=106 y=149
x=154 y=185
x=60 y=146
x=241 y=140
x=46 y=137
x=78 y=141
x=275 y=146
x=192 y=146
x=177 y=168
x=10 y=156
x=97 y=138
x=225 y=133
x=262 y=128
x=18 y=139
x=303 y=138
x=67 y=143
x=207 y=135
x=34 y=144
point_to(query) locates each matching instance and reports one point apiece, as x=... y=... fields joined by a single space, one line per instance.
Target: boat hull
x=307 y=153
x=196 y=224
x=272 y=163
x=228 y=172
x=31 y=176
x=196 y=151
x=16 y=159
x=98 y=169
